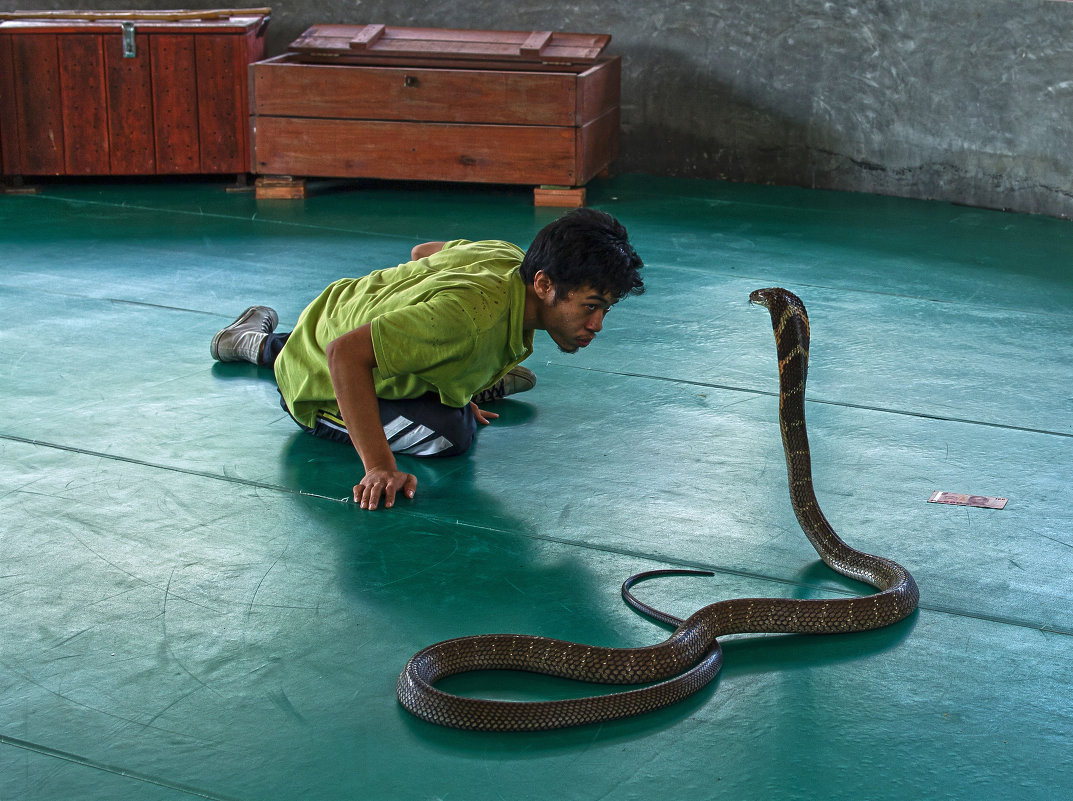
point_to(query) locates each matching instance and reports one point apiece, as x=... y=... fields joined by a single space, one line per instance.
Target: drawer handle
x=409 y=81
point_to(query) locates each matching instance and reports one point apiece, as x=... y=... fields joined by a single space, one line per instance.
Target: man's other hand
x=483 y=417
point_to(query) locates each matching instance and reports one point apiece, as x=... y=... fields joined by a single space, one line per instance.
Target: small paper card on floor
x=954 y=498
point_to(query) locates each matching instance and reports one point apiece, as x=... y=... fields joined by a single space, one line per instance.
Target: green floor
x=188 y=610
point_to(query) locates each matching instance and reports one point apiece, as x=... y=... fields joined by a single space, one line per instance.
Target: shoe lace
x=497 y=390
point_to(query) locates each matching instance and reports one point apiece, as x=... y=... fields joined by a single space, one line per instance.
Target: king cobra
x=691 y=656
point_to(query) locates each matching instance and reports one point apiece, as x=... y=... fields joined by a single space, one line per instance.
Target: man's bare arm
x=351 y=361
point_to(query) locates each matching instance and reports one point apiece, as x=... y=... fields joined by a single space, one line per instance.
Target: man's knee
x=455 y=443
x=425 y=427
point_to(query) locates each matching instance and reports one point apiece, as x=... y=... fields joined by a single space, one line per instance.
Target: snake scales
x=691 y=656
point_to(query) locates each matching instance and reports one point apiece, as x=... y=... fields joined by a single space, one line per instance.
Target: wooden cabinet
x=430 y=104
x=147 y=93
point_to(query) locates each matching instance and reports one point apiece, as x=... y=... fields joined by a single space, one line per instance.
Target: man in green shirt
x=395 y=361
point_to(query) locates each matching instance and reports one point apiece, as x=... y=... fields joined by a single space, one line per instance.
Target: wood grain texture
x=599 y=90
x=597 y=145
x=83 y=103
x=71 y=103
x=175 y=120
x=424 y=123
x=287 y=88
x=130 y=107
x=509 y=154
x=406 y=44
x=221 y=110
x=38 y=107
x=9 y=140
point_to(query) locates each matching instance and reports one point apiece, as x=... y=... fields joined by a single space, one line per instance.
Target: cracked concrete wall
x=961 y=100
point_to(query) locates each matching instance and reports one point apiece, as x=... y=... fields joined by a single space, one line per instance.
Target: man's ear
x=543 y=286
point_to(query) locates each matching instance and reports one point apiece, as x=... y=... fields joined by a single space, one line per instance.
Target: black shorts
x=415 y=427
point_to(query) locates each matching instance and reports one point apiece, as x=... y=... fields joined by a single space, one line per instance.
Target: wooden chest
x=441 y=105
x=126 y=93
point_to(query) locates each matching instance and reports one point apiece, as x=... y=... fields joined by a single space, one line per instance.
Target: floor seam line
x=677 y=562
x=171 y=468
x=862 y=291
x=117 y=301
x=254 y=218
x=85 y=762
x=844 y=404
x=730 y=571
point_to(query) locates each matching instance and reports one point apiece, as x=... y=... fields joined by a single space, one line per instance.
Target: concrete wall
x=963 y=100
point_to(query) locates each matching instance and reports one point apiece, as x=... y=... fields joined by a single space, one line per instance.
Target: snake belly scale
x=691 y=656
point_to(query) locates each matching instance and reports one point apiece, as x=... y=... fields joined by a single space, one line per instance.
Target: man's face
x=574 y=321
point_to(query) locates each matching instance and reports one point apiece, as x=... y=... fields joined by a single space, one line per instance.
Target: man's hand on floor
x=384 y=485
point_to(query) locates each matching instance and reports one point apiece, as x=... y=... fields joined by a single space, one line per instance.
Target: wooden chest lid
x=382 y=44
x=225 y=20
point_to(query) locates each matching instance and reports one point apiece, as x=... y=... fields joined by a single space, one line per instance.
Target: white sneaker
x=242 y=340
x=519 y=379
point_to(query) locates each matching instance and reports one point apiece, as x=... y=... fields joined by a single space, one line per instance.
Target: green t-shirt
x=450 y=323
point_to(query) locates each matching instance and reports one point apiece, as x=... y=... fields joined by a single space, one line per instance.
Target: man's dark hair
x=582 y=248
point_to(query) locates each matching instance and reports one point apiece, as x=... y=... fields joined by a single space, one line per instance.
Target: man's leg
x=271 y=347
x=415 y=427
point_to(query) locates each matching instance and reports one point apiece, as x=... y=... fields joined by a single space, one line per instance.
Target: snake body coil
x=691 y=656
